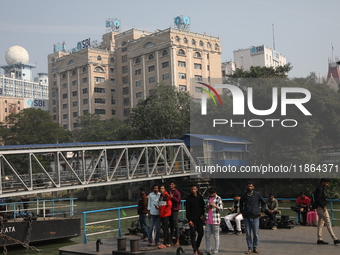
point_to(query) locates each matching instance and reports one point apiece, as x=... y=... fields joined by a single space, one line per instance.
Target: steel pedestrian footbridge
x=32 y=169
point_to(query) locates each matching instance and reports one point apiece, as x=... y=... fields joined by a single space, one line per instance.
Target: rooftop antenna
x=332 y=52
x=273 y=37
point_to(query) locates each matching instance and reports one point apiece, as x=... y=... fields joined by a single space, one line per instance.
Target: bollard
x=99 y=241
x=134 y=245
x=121 y=243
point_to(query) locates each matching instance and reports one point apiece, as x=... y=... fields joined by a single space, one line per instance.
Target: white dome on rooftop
x=16 y=54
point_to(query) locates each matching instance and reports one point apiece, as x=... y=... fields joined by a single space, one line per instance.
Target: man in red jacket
x=164 y=207
x=176 y=206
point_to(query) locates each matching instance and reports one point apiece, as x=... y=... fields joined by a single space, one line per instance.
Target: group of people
x=162 y=207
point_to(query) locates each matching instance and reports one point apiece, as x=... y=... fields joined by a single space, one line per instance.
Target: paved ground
x=299 y=240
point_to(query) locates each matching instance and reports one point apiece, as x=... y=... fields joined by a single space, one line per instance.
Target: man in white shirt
x=153 y=214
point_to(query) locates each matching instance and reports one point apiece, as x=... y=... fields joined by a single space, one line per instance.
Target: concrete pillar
x=109 y=193
x=89 y=194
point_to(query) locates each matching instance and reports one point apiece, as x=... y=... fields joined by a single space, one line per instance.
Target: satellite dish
x=178 y=20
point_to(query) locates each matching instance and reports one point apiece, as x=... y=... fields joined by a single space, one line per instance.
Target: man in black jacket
x=320 y=203
x=195 y=214
x=251 y=212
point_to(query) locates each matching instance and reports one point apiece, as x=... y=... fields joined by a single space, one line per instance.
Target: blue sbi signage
x=36 y=103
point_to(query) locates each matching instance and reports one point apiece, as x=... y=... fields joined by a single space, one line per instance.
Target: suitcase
x=312 y=218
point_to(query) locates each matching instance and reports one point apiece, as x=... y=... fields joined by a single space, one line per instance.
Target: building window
x=124 y=58
x=64 y=95
x=201 y=43
x=54 y=102
x=138 y=83
x=113 y=112
x=177 y=39
x=74 y=83
x=182 y=76
x=75 y=124
x=151 y=56
x=99 y=100
x=181 y=64
x=208 y=44
x=125 y=90
x=99 y=69
x=166 y=76
x=112 y=80
x=85 y=101
x=113 y=101
x=152 y=80
x=165 y=64
x=124 y=49
x=139 y=94
x=112 y=60
x=75 y=103
x=54 y=83
x=198 y=77
x=64 y=75
x=74 y=93
x=99 y=90
x=208 y=67
x=84 y=69
x=148 y=45
x=85 y=112
x=75 y=114
x=217 y=47
x=124 y=69
x=185 y=40
x=54 y=109
x=181 y=52
x=84 y=80
x=126 y=101
x=113 y=91
x=112 y=70
x=99 y=58
x=54 y=117
x=54 y=75
x=64 y=85
x=85 y=91
x=74 y=72
x=126 y=111
x=197 y=55
x=151 y=68
x=65 y=116
x=137 y=61
x=64 y=106
x=182 y=87
x=125 y=80
x=99 y=79
x=193 y=42
x=198 y=66
x=198 y=89
x=100 y=111
x=165 y=53
x=65 y=126
x=138 y=72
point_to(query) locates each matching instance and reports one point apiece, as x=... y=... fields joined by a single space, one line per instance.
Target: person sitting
x=272 y=208
x=302 y=207
x=39 y=182
x=235 y=215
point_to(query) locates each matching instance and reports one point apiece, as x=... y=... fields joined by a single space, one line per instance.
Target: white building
x=253 y=56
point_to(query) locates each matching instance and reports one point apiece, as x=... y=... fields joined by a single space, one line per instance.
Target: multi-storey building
x=110 y=79
x=253 y=56
x=17 y=90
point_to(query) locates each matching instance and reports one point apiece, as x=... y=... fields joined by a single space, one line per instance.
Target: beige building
x=110 y=79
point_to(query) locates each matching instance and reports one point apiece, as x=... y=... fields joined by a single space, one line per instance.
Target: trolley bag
x=312 y=218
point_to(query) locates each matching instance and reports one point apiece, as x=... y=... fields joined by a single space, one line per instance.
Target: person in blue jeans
x=142 y=212
x=153 y=214
x=252 y=206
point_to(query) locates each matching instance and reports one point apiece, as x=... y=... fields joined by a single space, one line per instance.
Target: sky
x=304 y=30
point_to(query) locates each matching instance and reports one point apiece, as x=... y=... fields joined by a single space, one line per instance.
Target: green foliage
x=163 y=115
x=262 y=72
x=92 y=129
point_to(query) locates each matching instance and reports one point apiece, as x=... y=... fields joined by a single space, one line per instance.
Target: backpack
x=265 y=222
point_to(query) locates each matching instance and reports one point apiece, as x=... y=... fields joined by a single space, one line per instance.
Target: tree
x=163 y=114
x=92 y=129
x=262 y=72
x=34 y=126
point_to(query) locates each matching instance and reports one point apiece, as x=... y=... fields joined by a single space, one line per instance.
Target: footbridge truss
x=32 y=169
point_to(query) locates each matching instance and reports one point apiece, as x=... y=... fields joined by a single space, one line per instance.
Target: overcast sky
x=304 y=30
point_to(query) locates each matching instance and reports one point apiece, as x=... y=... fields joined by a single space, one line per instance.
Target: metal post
x=85 y=239
x=183 y=209
x=52 y=207
x=147 y=162
x=71 y=208
x=44 y=209
x=119 y=231
x=332 y=212
x=30 y=169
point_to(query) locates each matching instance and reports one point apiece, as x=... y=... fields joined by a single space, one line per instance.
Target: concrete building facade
x=110 y=78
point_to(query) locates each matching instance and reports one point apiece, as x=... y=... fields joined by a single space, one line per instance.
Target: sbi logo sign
x=36 y=103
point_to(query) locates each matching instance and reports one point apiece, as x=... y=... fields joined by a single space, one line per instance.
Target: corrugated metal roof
x=225 y=139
